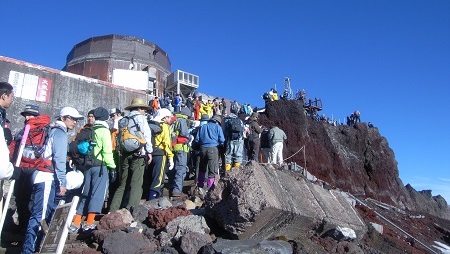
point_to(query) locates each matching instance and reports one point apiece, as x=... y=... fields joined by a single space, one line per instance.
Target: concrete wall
x=67 y=89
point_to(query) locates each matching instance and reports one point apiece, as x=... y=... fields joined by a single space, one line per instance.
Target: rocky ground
x=183 y=226
x=354 y=160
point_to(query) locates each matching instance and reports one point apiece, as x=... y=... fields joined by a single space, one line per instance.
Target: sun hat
x=137 y=103
x=69 y=111
x=30 y=110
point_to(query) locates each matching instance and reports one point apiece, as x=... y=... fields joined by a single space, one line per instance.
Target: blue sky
x=388 y=59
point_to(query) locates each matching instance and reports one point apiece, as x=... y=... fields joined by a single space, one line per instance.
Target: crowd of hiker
x=120 y=157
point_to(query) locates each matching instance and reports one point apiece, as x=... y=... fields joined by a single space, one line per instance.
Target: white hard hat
x=161 y=113
x=74 y=179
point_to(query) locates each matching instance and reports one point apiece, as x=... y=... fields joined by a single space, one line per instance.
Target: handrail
x=392 y=224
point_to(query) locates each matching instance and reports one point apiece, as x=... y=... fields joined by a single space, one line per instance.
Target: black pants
x=253 y=149
x=209 y=159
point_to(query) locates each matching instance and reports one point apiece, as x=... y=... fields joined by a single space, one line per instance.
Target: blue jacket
x=210 y=135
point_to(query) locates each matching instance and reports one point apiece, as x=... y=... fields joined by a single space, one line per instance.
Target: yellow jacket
x=203 y=108
x=164 y=140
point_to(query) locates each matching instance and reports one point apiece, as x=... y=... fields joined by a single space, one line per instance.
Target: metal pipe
x=391 y=223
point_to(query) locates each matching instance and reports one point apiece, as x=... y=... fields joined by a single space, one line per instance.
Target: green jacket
x=103 y=148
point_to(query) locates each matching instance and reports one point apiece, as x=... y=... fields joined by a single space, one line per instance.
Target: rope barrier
x=294 y=153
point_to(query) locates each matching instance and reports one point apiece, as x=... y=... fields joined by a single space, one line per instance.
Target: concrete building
x=129 y=62
x=110 y=56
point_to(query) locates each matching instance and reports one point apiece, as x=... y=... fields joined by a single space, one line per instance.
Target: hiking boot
x=73 y=229
x=177 y=194
x=199 y=191
x=227 y=166
x=236 y=165
x=89 y=228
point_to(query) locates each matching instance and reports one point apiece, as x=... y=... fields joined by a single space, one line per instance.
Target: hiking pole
x=12 y=183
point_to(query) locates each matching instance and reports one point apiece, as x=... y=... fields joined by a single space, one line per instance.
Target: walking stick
x=11 y=185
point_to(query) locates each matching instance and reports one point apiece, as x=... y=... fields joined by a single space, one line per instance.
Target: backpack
x=234 y=107
x=81 y=148
x=156 y=129
x=195 y=145
x=35 y=145
x=235 y=128
x=131 y=138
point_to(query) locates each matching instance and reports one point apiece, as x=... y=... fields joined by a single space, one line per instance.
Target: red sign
x=43 y=90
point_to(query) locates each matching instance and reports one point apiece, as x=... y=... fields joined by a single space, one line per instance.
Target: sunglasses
x=73 y=119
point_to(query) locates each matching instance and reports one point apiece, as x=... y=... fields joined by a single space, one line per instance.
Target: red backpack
x=34 y=146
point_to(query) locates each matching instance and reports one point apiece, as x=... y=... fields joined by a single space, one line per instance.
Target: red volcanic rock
x=158 y=218
x=355 y=159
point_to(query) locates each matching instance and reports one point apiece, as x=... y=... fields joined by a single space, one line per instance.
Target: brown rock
x=158 y=218
x=118 y=220
x=355 y=159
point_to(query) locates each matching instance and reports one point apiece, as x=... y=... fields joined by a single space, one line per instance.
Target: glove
x=171 y=164
x=112 y=175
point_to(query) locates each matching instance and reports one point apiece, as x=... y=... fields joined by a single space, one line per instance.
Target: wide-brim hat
x=30 y=110
x=137 y=103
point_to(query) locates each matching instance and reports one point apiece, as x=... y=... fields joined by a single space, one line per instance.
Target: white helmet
x=161 y=113
x=74 y=179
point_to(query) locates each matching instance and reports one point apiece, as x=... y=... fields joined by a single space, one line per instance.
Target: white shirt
x=6 y=167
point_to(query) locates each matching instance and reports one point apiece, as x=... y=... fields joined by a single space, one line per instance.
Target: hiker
x=273 y=94
x=197 y=107
x=96 y=177
x=276 y=138
x=162 y=152
x=115 y=115
x=190 y=103
x=23 y=187
x=6 y=99
x=265 y=145
x=177 y=103
x=181 y=149
x=195 y=147
x=235 y=107
x=223 y=105
x=357 y=116
x=234 y=139
x=254 y=137
x=155 y=104
x=51 y=182
x=209 y=108
x=209 y=138
x=133 y=164
x=370 y=125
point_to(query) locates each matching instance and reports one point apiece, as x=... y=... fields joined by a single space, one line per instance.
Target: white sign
x=30 y=84
x=129 y=78
x=16 y=80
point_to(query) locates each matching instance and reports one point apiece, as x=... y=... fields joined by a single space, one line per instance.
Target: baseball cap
x=69 y=111
x=114 y=111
